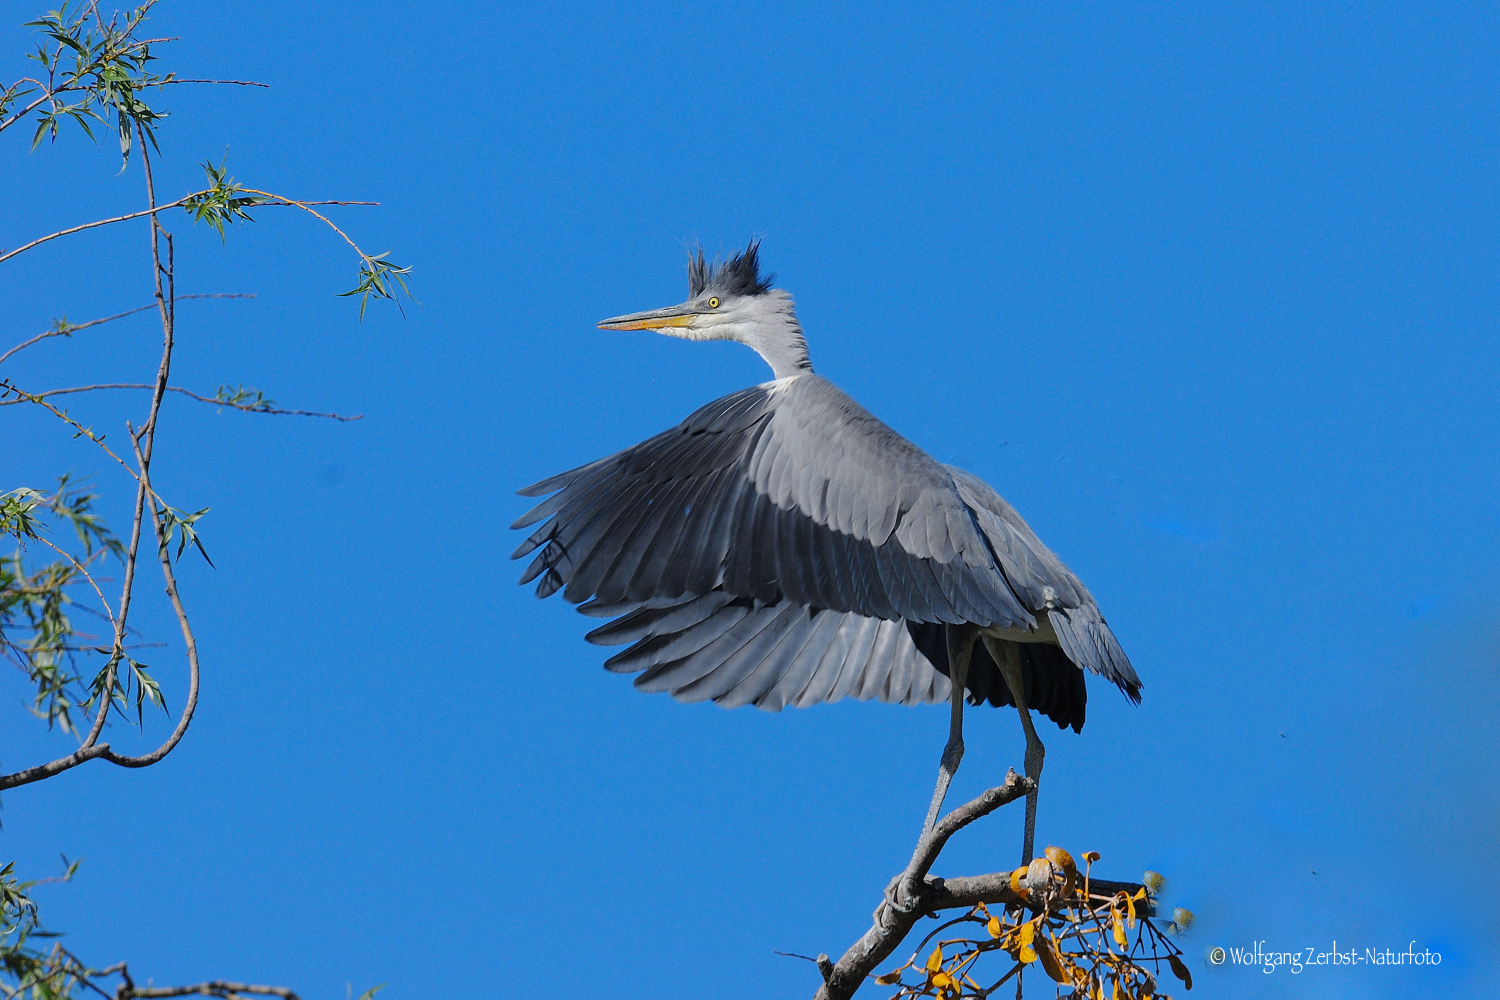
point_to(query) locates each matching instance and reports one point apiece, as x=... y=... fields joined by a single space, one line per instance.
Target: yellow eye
x=713 y=303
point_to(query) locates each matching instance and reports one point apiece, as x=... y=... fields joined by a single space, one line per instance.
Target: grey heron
x=781 y=546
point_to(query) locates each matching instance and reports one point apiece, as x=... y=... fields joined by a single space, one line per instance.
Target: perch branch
x=913 y=893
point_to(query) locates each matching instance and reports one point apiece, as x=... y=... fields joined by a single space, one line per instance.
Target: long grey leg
x=1008 y=656
x=960 y=646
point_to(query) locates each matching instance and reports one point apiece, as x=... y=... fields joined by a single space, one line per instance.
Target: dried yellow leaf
x=1130 y=905
x=1091 y=856
x=942 y=980
x=1043 y=949
x=889 y=978
x=1064 y=861
x=935 y=960
x=1028 y=935
x=1119 y=927
x=994 y=927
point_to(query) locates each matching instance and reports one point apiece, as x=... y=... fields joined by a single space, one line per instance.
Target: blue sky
x=1208 y=294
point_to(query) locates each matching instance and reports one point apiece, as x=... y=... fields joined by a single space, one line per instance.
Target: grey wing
x=736 y=652
x=1045 y=584
x=785 y=493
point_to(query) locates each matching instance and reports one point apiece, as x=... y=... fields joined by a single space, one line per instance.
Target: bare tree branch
x=68 y=329
x=913 y=894
x=930 y=845
x=41 y=771
x=143 y=443
x=165 y=555
x=237 y=83
x=102 y=222
x=216 y=401
x=86 y=575
x=7 y=386
x=50 y=93
x=213 y=988
x=32 y=106
x=90 y=748
x=276 y=201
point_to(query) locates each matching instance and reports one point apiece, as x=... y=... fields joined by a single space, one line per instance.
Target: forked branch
x=914 y=894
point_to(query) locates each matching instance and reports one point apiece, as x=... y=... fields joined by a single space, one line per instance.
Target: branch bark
x=213 y=988
x=128 y=990
x=914 y=893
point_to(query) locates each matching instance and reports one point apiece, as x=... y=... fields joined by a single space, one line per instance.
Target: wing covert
x=788 y=491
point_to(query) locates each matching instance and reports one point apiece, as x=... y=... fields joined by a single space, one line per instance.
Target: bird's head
x=729 y=300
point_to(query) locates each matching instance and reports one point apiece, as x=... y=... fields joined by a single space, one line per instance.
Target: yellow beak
x=656 y=319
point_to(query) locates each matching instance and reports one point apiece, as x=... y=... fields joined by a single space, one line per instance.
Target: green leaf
x=222 y=203
x=242 y=396
x=18 y=512
x=379 y=277
x=145 y=687
x=175 y=521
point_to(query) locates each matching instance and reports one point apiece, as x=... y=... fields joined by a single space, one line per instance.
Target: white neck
x=768 y=323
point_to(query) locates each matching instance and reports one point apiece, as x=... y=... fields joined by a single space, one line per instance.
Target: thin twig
x=102 y=222
x=67 y=330
x=213 y=988
x=7 y=385
x=280 y=202
x=237 y=83
x=33 y=105
x=277 y=201
x=79 y=567
x=214 y=400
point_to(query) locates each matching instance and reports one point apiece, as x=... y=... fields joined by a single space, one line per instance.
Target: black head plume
x=739 y=275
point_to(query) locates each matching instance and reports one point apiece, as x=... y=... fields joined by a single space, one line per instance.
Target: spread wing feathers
x=736 y=651
x=1087 y=640
x=1054 y=686
x=1042 y=581
x=787 y=493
